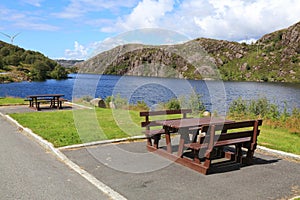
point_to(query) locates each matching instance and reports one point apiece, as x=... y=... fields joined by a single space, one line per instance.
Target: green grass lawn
x=279 y=139
x=11 y=101
x=64 y=128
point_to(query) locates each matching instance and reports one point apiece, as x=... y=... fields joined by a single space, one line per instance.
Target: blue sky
x=71 y=29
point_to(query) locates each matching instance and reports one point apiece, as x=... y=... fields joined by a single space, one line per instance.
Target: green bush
x=119 y=102
x=141 y=105
x=262 y=108
x=238 y=106
x=87 y=98
x=173 y=104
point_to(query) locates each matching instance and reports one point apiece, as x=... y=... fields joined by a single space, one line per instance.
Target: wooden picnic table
x=185 y=127
x=211 y=143
x=35 y=100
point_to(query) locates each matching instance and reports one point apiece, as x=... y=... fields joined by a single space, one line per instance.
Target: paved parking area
x=136 y=174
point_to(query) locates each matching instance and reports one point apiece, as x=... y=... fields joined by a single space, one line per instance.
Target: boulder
x=98 y=102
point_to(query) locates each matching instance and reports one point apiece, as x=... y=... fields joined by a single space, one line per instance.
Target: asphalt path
x=137 y=174
x=27 y=171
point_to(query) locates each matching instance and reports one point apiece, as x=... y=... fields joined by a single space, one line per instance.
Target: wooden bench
x=240 y=134
x=155 y=134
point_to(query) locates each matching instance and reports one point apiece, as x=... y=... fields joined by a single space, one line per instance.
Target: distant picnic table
x=55 y=100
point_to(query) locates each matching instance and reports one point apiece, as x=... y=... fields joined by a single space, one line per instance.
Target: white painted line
x=49 y=146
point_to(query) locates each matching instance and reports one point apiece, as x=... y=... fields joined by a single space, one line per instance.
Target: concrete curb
x=260 y=148
x=81 y=106
x=279 y=153
x=102 y=142
x=59 y=155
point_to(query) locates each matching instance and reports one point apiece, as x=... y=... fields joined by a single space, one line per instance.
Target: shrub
x=238 y=106
x=259 y=107
x=193 y=102
x=120 y=103
x=262 y=108
x=141 y=105
x=173 y=104
x=108 y=99
x=87 y=98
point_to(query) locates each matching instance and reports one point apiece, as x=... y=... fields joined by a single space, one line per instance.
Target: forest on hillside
x=18 y=64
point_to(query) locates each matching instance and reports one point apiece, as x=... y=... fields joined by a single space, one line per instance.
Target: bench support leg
x=207 y=161
x=168 y=142
x=238 y=153
x=149 y=142
x=156 y=141
x=196 y=156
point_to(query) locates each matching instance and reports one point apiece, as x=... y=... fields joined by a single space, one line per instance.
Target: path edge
x=60 y=156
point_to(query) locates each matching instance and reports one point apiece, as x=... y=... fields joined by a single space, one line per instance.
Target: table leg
x=168 y=141
x=180 y=146
x=30 y=103
x=37 y=104
x=57 y=103
x=184 y=137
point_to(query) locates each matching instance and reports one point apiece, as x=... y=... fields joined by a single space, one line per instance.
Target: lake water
x=216 y=95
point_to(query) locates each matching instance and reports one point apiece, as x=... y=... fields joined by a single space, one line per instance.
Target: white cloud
x=147 y=14
x=79 y=52
x=239 y=19
x=226 y=19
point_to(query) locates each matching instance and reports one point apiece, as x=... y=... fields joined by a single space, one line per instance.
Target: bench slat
x=235 y=125
x=165 y=112
x=155 y=134
x=198 y=146
x=151 y=133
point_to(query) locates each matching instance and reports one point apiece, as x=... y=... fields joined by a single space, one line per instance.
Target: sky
x=72 y=29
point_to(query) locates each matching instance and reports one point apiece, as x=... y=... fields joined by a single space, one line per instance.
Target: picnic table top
x=193 y=122
x=45 y=95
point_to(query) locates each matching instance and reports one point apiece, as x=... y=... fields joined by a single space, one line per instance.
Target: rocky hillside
x=275 y=57
x=68 y=63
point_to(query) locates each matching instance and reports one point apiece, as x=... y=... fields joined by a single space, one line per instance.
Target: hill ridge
x=275 y=57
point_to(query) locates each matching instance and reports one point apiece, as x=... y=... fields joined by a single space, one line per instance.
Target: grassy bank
x=67 y=127
x=63 y=128
x=5 y=101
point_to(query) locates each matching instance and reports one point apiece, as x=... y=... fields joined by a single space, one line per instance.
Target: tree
x=1 y=63
x=39 y=71
x=59 y=72
x=4 y=51
x=12 y=59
